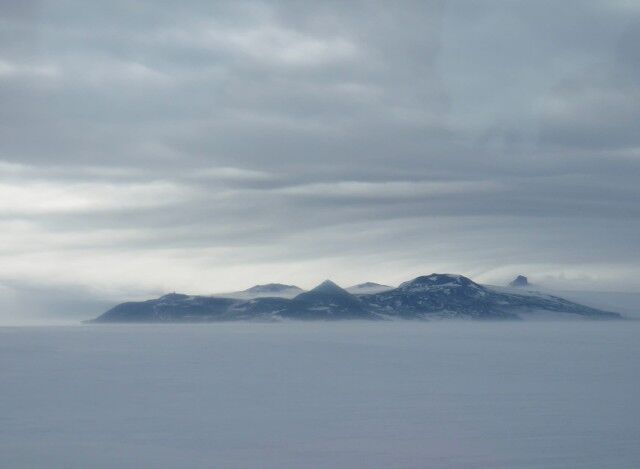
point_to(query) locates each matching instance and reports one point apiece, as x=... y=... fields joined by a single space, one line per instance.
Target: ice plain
x=327 y=395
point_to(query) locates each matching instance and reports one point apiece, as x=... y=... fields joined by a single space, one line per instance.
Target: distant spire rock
x=519 y=282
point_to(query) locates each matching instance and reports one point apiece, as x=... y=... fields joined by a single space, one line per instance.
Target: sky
x=200 y=147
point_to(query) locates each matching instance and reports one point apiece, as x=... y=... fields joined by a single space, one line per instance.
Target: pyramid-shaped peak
x=329 y=287
x=519 y=281
x=326 y=289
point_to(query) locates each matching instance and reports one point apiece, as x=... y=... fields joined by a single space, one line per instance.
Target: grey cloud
x=246 y=140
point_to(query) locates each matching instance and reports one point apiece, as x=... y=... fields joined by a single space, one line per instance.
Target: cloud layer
x=151 y=146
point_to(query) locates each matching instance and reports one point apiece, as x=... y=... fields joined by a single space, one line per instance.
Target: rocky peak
x=519 y=281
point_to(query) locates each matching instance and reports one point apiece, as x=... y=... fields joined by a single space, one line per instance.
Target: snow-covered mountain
x=426 y=297
x=439 y=295
x=326 y=301
x=368 y=288
x=330 y=301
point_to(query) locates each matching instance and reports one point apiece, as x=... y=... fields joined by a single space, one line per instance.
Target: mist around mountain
x=277 y=290
x=368 y=288
x=435 y=296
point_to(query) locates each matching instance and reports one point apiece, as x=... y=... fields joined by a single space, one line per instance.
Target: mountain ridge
x=434 y=296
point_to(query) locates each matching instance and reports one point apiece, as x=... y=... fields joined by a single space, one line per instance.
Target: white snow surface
x=322 y=395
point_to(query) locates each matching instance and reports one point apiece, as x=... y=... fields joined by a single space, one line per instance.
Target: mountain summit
x=427 y=282
x=519 y=282
x=329 y=287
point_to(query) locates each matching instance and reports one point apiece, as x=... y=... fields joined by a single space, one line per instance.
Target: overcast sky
x=198 y=146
